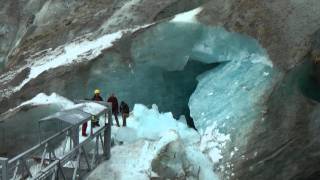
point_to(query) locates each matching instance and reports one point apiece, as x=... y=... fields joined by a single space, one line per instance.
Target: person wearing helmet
x=115 y=107
x=94 y=119
x=97 y=96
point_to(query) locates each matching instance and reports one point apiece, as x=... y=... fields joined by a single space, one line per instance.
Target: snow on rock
x=90 y=107
x=71 y=53
x=80 y=50
x=61 y=102
x=43 y=99
x=187 y=17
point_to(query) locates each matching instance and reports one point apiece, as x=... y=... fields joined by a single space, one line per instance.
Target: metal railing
x=51 y=157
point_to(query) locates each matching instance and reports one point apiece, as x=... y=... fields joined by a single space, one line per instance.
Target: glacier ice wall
x=230 y=98
x=235 y=89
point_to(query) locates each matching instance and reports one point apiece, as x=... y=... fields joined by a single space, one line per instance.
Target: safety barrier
x=64 y=152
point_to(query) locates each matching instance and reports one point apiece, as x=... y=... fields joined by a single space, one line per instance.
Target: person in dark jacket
x=115 y=107
x=94 y=119
x=124 y=109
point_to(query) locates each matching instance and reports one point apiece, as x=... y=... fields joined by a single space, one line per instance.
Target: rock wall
x=284 y=28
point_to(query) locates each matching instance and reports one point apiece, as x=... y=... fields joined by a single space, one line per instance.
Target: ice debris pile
x=154 y=144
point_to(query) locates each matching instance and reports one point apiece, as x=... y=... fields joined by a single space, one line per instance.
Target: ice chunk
x=151 y=124
x=126 y=134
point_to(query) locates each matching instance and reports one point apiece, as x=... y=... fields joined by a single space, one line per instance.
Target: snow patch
x=90 y=107
x=80 y=50
x=212 y=142
x=187 y=17
x=43 y=99
x=71 y=54
x=62 y=102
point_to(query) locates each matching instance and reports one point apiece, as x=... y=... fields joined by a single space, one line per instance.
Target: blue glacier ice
x=229 y=99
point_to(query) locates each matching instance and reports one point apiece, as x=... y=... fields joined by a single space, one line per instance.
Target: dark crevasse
x=182 y=84
x=309 y=80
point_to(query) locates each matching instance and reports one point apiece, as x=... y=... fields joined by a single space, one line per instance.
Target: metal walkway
x=64 y=155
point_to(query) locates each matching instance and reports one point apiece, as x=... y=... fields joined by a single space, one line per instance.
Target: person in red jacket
x=94 y=120
x=115 y=107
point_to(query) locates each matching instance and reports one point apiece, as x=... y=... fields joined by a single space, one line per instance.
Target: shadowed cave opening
x=183 y=84
x=309 y=80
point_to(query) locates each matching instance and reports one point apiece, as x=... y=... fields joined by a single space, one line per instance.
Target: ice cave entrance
x=177 y=66
x=165 y=63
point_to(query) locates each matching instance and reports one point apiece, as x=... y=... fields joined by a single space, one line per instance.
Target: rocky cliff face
x=33 y=26
x=284 y=28
x=55 y=23
x=267 y=107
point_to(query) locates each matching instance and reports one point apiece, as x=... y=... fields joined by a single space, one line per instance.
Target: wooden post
x=4 y=168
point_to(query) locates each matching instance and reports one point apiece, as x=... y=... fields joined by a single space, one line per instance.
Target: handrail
x=65 y=158
x=43 y=143
x=59 y=162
